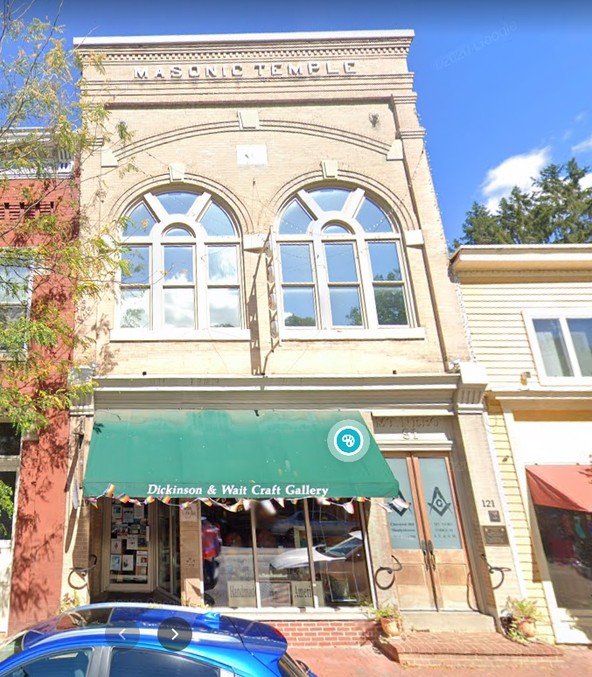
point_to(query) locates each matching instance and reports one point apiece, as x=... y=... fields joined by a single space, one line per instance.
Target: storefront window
x=338 y=554
x=282 y=557
x=227 y=553
x=129 y=543
x=280 y=549
x=567 y=541
x=256 y=558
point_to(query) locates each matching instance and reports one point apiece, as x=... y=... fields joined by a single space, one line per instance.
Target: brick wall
x=41 y=499
x=312 y=633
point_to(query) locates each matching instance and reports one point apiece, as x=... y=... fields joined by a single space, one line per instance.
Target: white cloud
x=517 y=170
x=583 y=146
x=586 y=181
x=580 y=117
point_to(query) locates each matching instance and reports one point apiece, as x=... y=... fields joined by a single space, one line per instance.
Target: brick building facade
x=36 y=467
x=286 y=266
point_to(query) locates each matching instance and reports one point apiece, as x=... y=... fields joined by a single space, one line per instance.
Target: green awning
x=235 y=454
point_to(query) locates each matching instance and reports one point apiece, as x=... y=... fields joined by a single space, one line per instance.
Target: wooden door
x=446 y=553
x=414 y=582
x=426 y=536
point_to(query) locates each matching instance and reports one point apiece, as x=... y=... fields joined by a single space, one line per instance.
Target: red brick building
x=36 y=466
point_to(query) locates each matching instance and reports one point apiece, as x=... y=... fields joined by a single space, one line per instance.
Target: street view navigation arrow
x=127 y=635
x=174 y=634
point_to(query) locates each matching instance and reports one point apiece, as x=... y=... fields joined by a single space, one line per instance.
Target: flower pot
x=390 y=627
x=527 y=628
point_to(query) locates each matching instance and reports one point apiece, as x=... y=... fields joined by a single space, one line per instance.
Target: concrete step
x=447 y=621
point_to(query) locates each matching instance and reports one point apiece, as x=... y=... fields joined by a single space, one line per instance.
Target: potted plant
x=523 y=614
x=389 y=617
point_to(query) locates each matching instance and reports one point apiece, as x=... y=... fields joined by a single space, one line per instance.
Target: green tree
x=556 y=210
x=45 y=134
x=300 y=321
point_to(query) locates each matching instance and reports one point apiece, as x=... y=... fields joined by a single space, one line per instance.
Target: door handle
x=432 y=554
x=422 y=545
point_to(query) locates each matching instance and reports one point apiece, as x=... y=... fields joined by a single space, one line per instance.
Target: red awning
x=568 y=487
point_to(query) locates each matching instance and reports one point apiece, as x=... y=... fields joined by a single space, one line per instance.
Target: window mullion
x=201 y=281
x=255 y=558
x=310 y=204
x=353 y=202
x=198 y=207
x=322 y=277
x=311 y=562
x=155 y=205
x=366 y=283
x=569 y=346
x=156 y=288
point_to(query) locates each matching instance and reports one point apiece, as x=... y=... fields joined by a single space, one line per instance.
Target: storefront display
x=264 y=558
x=567 y=541
x=130 y=536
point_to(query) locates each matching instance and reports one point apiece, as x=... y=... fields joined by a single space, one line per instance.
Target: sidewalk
x=369 y=662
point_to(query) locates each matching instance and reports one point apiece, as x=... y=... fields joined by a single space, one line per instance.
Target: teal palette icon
x=348 y=440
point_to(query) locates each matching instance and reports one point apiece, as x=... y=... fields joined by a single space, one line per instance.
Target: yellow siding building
x=529 y=318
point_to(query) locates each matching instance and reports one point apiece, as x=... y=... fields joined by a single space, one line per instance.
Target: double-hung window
x=341 y=264
x=564 y=345
x=181 y=267
x=15 y=299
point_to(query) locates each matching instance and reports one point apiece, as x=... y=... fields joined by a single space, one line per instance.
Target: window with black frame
x=265 y=556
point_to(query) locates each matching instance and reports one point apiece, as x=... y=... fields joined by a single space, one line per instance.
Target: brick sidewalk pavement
x=369 y=662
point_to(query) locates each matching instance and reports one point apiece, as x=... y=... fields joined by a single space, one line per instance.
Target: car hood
x=298 y=557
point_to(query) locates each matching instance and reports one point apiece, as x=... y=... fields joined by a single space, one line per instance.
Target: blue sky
x=503 y=87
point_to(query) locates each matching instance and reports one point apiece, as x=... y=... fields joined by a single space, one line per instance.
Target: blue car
x=139 y=640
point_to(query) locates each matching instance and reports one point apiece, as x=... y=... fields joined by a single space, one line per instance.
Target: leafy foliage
x=519 y=611
x=46 y=269
x=557 y=210
x=6 y=506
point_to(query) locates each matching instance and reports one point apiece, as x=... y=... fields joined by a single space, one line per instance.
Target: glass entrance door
x=168 y=576
x=426 y=537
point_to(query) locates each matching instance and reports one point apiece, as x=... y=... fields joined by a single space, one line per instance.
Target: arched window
x=340 y=262
x=181 y=267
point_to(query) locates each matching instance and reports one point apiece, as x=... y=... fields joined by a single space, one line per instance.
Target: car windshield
x=341 y=550
x=11 y=646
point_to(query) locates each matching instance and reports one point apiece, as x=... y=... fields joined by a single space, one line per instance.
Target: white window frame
x=27 y=263
x=562 y=317
x=200 y=241
x=369 y=329
x=11 y=463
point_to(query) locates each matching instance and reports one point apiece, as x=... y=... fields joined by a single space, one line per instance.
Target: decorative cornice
x=418 y=133
x=208 y=54
x=528 y=275
x=469 y=399
x=544 y=396
x=242 y=39
x=434 y=392
x=471 y=389
x=524 y=259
